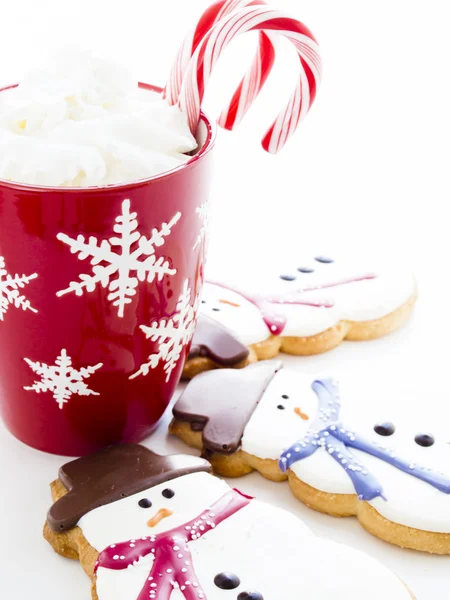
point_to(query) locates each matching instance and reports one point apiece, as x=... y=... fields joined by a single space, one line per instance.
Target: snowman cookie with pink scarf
x=303 y=307
x=146 y=526
x=341 y=456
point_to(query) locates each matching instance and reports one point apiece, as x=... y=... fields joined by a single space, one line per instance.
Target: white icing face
x=354 y=291
x=126 y=519
x=406 y=496
x=238 y=315
x=245 y=544
x=286 y=410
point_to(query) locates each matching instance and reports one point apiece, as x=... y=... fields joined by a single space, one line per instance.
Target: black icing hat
x=112 y=474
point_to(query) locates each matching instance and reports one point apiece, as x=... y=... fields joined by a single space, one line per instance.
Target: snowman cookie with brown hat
x=341 y=456
x=148 y=526
x=299 y=306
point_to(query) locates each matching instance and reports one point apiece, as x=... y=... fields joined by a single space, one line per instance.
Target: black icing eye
x=203 y=301
x=168 y=493
x=323 y=259
x=305 y=270
x=250 y=596
x=384 y=428
x=424 y=439
x=288 y=277
x=227 y=581
x=285 y=397
x=280 y=407
x=145 y=503
x=216 y=309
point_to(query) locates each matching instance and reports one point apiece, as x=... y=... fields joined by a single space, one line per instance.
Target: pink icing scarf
x=172 y=565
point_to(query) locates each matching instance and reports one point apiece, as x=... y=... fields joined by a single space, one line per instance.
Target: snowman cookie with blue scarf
x=339 y=460
x=146 y=527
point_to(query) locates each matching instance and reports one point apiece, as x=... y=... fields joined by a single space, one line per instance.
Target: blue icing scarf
x=331 y=434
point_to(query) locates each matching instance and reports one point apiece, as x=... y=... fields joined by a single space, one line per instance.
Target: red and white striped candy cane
x=254 y=79
x=257 y=18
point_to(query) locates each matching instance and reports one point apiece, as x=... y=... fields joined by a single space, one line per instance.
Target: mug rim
x=211 y=132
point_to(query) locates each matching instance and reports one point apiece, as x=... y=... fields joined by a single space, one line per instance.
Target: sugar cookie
x=290 y=425
x=146 y=526
x=304 y=309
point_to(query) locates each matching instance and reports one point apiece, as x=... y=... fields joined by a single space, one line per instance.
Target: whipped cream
x=82 y=121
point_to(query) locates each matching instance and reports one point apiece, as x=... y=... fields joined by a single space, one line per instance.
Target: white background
x=368 y=170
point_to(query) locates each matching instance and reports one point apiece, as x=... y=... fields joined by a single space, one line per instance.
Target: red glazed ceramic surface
x=98 y=295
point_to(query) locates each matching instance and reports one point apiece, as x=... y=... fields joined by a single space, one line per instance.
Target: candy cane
x=254 y=79
x=257 y=18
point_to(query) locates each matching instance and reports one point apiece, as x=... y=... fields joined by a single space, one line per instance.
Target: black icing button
x=168 y=493
x=280 y=407
x=227 y=581
x=305 y=270
x=250 y=596
x=145 y=503
x=424 y=439
x=288 y=277
x=324 y=259
x=384 y=428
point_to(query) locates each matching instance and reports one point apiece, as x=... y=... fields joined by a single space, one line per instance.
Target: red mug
x=98 y=295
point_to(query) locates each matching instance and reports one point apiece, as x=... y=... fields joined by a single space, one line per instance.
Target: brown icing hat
x=112 y=474
x=220 y=403
x=213 y=341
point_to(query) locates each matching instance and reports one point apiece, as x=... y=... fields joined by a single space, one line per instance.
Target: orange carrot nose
x=230 y=303
x=298 y=411
x=162 y=513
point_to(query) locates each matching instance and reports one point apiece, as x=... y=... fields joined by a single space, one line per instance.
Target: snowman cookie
x=304 y=307
x=147 y=526
x=288 y=425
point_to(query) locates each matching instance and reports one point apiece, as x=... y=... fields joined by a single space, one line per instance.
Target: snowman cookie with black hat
x=342 y=456
x=162 y=527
